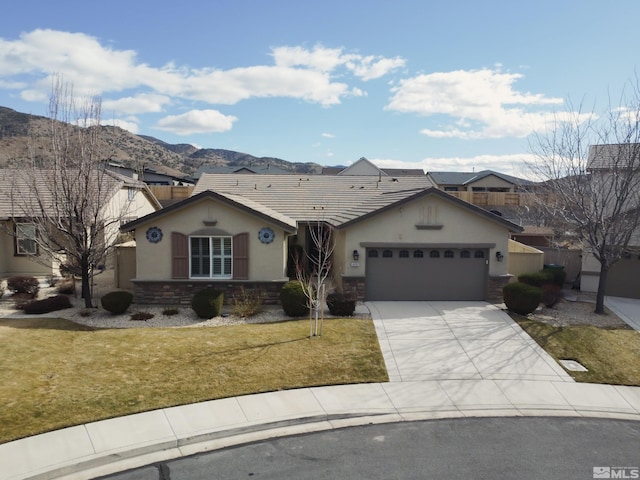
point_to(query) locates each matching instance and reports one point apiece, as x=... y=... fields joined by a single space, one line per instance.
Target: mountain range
x=22 y=132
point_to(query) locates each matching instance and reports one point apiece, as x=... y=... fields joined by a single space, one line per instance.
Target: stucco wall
x=590 y=274
x=11 y=264
x=491 y=181
x=120 y=207
x=398 y=225
x=266 y=261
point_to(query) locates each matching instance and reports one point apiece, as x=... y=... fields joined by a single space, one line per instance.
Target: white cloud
x=143 y=103
x=93 y=68
x=370 y=68
x=328 y=135
x=483 y=101
x=328 y=59
x=131 y=126
x=197 y=121
x=512 y=164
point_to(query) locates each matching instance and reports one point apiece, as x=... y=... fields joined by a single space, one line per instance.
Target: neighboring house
x=366 y=167
x=535 y=236
x=396 y=238
x=623 y=279
x=149 y=175
x=484 y=181
x=262 y=169
x=19 y=254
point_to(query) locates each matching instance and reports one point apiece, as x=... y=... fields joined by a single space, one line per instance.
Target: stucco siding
x=11 y=264
x=398 y=226
x=266 y=261
x=491 y=181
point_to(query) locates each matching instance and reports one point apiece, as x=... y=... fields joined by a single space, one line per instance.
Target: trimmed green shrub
x=293 y=299
x=207 y=303
x=536 y=279
x=558 y=275
x=521 y=298
x=46 y=305
x=116 y=302
x=29 y=285
x=340 y=304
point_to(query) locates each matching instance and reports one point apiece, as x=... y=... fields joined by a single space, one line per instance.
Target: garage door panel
x=425 y=278
x=624 y=278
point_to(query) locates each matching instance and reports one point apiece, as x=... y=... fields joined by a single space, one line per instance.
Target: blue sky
x=443 y=86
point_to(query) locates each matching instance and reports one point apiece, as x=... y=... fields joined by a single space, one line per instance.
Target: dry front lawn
x=55 y=373
x=612 y=355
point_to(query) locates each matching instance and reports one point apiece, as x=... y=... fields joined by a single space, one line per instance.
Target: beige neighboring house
x=623 y=279
x=483 y=181
x=20 y=255
x=397 y=238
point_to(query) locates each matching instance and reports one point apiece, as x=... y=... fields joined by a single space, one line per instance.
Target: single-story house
x=396 y=238
x=483 y=181
x=19 y=253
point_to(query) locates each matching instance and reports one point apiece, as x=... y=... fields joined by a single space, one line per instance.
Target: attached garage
x=624 y=278
x=414 y=273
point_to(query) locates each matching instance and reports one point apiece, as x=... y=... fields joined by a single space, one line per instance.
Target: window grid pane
x=211 y=257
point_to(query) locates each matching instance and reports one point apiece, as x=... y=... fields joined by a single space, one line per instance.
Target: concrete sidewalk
x=109 y=446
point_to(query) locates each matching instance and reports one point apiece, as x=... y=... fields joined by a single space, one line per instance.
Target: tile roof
x=15 y=183
x=464 y=178
x=611 y=156
x=334 y=199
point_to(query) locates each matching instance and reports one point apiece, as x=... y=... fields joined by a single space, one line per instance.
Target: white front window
x=210 y=257
x=26 y=239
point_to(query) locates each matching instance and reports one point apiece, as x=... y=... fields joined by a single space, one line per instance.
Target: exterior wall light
x=499 y=256
x=356 y=255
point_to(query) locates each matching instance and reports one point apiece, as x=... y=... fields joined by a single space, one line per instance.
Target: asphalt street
x=470 y=448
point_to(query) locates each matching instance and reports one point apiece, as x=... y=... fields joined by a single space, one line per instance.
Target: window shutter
x=241 y=256
x=179 y=255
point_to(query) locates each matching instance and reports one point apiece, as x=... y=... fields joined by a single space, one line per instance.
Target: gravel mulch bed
x=574 y=309
x=577 y=311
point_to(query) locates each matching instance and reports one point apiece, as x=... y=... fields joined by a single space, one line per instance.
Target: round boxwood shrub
x=521 y=298
x=207 y=303
x=536 y=279
x=293 y=299
x=46 y=305
x=116 y=302
x=340 y=304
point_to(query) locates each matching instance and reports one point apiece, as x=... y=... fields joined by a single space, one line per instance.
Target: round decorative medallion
x=154 y=234
x=266 y=235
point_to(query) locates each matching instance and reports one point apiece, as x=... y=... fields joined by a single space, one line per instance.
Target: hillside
x=20 y=130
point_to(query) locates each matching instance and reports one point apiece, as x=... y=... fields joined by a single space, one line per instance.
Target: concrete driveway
x=458 y=340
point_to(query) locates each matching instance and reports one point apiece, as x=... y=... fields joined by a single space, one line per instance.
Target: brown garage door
x=426 y=274
x=624 y=278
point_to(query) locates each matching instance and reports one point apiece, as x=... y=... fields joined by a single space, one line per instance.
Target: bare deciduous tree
x=590 y=165
x=65 y=192
x=314 y=279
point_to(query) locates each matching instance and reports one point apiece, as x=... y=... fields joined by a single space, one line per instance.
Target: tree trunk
x=604 y=272
x=86 y=283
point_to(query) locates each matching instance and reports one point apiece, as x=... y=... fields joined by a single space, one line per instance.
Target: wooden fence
x=516 y=199
x=171 y=192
